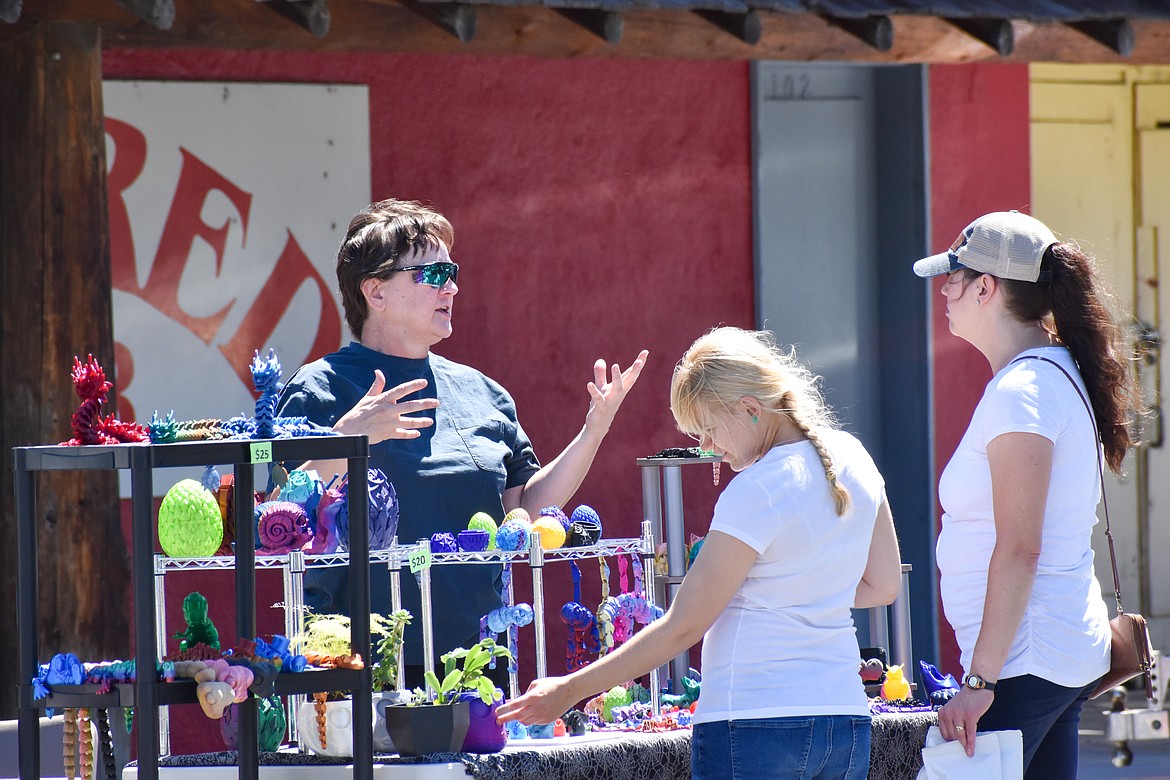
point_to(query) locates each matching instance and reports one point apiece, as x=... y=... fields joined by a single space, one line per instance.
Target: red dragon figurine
x=89 y=427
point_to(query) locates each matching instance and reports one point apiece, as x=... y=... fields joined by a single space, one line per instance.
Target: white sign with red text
x=227 y=205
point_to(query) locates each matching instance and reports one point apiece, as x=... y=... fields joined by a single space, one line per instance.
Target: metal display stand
x=148 y=694
x=662 y=499
x=294 y=565
x=536 y=557
x=890 y=626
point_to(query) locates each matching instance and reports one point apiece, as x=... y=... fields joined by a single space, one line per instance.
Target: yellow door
x=1101 y=176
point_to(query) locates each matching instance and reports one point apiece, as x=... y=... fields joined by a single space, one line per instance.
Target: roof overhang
x=1129 y=31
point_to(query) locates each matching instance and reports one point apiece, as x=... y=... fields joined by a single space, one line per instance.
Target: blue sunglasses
x=433 y=274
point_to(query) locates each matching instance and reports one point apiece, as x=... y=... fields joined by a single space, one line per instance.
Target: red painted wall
x=979 y=162
x=600 y=207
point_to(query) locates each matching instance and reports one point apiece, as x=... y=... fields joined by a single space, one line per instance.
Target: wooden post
x=55 y=302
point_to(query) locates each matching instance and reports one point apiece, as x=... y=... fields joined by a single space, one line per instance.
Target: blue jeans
x=1048 y=715
x=801 y=748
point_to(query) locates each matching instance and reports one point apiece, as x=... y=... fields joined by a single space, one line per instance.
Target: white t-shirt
x=1064 y=635
x=786 y=644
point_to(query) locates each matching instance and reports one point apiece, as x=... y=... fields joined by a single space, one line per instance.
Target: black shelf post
x=141 y=562
x=28 y=718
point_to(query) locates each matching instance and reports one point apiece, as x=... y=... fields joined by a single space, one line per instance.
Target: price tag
x=261 y=452
x=420 y=559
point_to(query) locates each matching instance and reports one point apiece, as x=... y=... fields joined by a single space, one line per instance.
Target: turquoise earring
x=755 y=419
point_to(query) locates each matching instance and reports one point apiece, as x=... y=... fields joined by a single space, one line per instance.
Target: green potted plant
x=325 y=724
x=384 y=671
x=442 y=724
x=389 y=631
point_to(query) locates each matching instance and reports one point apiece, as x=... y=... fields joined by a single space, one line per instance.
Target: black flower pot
x=426 y=728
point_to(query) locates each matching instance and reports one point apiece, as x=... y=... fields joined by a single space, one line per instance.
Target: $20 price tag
x=420 y=559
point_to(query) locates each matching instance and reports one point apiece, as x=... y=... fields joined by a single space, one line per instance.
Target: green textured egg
x=189 y=522
x=618 y=696
x=482 y=521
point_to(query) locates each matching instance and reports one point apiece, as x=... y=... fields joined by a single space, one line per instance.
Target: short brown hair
x=378 y=237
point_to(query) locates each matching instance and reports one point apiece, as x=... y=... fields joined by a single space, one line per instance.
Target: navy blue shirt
x=458 y=466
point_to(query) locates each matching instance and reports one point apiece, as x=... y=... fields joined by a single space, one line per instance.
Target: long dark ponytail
x=1073 y=300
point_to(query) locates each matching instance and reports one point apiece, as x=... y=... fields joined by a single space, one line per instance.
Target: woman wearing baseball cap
x=1019 y=495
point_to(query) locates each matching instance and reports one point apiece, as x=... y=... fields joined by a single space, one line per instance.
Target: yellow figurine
x=896 y=686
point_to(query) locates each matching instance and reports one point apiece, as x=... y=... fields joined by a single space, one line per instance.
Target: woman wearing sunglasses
x=446 y=435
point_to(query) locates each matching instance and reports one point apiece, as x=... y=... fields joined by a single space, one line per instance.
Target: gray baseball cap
x=1006 y=244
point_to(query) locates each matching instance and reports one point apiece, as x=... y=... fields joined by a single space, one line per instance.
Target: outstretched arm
x=716 y=575
x=559 y=479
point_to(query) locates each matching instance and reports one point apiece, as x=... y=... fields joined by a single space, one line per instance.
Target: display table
x=896 y=755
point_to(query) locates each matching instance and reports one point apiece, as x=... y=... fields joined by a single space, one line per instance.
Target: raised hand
x=382 y=414
x=606 y=395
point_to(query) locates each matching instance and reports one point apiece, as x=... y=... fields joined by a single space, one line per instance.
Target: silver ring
x=960 y=727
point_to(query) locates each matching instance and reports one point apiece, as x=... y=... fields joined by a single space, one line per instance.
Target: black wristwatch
x=977 y=683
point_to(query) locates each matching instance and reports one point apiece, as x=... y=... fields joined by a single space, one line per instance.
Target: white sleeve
x=740 y=512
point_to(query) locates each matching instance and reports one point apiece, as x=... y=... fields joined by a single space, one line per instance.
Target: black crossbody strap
x=1100 y=472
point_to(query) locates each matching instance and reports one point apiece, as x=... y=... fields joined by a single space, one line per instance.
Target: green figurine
x=200 y=629
x=690 y=694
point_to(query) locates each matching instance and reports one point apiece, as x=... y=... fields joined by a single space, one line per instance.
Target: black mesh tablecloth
x=896 y=755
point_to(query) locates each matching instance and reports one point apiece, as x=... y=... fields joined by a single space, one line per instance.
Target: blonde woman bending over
x=800 y=535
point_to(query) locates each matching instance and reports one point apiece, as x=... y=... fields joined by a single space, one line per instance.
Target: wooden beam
x=538 y=31
x=311 y=15
x=159 y=13
x=746 y=26
x=877 y=31
x=55 y=302
x=1117 y=34
x=10 y=11
x=996 y=33
x=606 y=25
x=459 y=19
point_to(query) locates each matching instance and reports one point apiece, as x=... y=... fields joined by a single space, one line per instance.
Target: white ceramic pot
x=382 y=741
x=339 y=726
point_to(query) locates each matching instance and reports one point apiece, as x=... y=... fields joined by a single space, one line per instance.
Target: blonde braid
x=840 y=494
